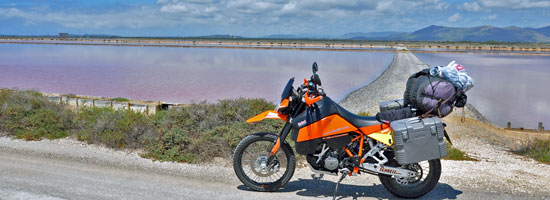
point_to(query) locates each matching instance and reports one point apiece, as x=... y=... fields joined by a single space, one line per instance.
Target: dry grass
x=536 y=148
x=533 y=145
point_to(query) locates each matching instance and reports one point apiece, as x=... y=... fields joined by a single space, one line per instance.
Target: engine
x=331 y=162
x=326 y=158
x=329 y=159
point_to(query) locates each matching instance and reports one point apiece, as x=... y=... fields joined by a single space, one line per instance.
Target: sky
x=330 y=18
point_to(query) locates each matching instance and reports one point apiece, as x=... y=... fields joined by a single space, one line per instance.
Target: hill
x=477 y=34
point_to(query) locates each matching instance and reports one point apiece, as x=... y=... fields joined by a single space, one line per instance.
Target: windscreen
x=288 y=88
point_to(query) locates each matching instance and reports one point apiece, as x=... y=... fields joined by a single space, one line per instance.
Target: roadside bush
x=456 y=154
x=30 y=116
x=115 y=128
x=538 y=149
x=195 y=133
x=202 y=131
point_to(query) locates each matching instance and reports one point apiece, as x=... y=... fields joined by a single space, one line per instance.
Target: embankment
x=390 y=85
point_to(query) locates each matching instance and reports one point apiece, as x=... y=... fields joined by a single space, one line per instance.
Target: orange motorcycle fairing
x=328 y=126
x=270 y=114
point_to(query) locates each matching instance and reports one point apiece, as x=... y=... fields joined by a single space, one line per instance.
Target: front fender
x=270 y=114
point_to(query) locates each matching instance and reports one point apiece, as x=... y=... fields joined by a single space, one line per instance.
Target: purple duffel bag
x=437 y=91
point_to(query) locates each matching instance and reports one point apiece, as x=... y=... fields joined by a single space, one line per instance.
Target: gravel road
x=68 y=169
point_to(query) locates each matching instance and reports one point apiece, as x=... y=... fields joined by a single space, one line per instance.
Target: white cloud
x=289 y=7
x=491 y=17
x=135 y=18
x=173 y=8
x=454 y=18
x=516 y=4
x=259 y=17
x=473 y=7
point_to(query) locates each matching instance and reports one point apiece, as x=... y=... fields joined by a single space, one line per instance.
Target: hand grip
x=309 y=100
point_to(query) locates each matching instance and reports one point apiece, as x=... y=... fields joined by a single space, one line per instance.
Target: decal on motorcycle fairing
x=302 y=123
x=330 y=125
x=338 y=129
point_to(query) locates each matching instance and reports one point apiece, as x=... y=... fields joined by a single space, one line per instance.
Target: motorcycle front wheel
x=428 y=173
x=250 y=162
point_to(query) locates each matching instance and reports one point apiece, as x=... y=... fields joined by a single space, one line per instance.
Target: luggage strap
x=463 y=119
x=447 y=137
x=439 y=103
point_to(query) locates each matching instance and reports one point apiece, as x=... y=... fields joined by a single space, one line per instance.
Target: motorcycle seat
x=357 y=120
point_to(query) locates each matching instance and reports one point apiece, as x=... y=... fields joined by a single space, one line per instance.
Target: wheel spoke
x=253 y=162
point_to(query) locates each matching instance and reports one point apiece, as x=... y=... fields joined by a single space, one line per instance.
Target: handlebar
x=310 y=88
x=311 y=100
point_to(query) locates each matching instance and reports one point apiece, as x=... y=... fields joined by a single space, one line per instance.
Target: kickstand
x=337 y=183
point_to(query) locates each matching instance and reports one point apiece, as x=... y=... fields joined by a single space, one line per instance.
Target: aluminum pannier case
x=418 y=140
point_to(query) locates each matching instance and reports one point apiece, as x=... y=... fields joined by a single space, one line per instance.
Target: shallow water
x=507 y=88
x=181 y=75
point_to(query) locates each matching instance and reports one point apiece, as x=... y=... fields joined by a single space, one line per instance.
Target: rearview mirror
x=315 y=79
x=314 y=68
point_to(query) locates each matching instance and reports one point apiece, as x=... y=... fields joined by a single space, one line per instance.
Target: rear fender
x=270 y=114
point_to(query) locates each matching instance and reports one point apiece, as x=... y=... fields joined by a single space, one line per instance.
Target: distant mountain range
x=430 y=33
x=477 y=34
x=219 y=36
x=371 y=34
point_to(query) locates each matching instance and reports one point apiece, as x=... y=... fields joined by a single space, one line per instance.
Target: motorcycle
x=333 y=140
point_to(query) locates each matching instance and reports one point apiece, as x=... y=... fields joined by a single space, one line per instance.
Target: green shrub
x=120 y=99
x=538 y=149
x=363 y=113
x=202 y=131
x=456 y=154
x=29 y=115
x=115 y=128
x=194 y=133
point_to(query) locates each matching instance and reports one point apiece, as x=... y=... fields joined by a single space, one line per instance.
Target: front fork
x=284 y=133
x=280 y=139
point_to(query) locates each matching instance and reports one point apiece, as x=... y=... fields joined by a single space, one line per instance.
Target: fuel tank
x=320 y=122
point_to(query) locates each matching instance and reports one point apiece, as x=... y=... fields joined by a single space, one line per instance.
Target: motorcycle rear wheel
x=427 y=178
x=249 y=162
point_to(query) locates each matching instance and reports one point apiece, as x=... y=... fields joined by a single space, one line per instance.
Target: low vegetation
x=456 y=154
x=195 y=133
x=362 y=113
x=120 y=99
x=114 y=128
x=29 y=115
x=538 y=149
x=199 y=132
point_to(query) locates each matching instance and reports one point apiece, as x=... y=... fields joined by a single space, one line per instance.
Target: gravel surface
x=68 y=169
x=498 y=168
